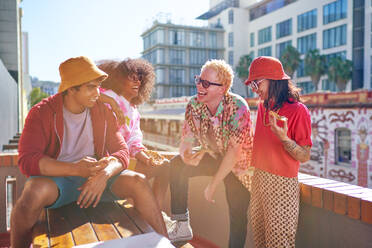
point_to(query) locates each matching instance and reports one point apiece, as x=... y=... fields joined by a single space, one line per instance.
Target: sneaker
x=180 y=230
x=167 y=220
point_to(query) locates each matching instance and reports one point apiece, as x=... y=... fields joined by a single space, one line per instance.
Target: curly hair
x=224 y=71
x=119 y=71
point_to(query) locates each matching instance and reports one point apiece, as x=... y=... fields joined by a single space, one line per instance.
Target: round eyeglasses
x=205 y=83
x=254 y=84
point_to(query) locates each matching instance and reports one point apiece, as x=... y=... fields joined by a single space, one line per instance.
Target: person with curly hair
x=129 y=84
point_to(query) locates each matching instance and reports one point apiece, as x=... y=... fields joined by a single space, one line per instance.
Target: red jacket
x=43 y=134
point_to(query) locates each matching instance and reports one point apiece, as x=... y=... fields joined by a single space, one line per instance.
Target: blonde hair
x=224 y=71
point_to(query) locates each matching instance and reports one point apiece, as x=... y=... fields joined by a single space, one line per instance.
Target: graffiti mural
x=341 y=145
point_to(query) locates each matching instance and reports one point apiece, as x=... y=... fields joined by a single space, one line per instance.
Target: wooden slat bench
x=69 y=225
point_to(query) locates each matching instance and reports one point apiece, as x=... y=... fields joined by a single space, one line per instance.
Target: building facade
x=337 y=28
x=177 y=53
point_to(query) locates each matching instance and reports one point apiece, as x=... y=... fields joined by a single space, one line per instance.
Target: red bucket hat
x=266 y=67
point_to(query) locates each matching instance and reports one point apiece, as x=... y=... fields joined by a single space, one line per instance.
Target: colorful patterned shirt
x=231 y=125
x=131 y=129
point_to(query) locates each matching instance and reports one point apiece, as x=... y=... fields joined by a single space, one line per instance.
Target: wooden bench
x=69 y=225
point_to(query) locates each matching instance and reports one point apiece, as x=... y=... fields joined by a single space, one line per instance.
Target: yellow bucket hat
x=77 y=71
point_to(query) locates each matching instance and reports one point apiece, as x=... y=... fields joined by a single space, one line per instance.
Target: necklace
x=264 y=117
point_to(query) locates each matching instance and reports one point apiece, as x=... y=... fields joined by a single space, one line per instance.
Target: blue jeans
x=237 y=195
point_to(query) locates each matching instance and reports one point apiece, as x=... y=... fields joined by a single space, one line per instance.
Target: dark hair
x=281 y=91
x=118 y=72
x=73 y=87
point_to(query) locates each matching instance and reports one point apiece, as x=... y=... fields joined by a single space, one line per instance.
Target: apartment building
x=336 y=28
x=177 y=53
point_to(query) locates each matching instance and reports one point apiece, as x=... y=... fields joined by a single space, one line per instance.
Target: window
x=178 y=91
x=268 y=7
x=334 y=37
x=301 y=69
x=160 y=75
x=266 y=51
x=252 y=40
x=197 y=39
x=231 y=39
x=197 y=56
x=330 y=56
x=177 y=76
x=151 y=56
x=176 y=37
x=231 y=16
x=281 y=47
x=284 y=28
x=306 y=43
x=328 y=85
x=342 y=146
x=146 y=42
x=213 y=39
x=176 y=57
x=153 y=38
x=334 y=11
x=160 y=58
x=212 y=54
x=231 y=57
x=264 y=35
x=307 y=87
x=307 y=20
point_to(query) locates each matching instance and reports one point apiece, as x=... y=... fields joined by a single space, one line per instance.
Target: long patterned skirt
x=274 y=209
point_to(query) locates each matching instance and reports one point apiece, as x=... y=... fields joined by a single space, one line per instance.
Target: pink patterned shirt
x=131 y=129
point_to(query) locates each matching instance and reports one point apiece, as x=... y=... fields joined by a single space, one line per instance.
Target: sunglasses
x=254 y=84
x=205 y=83
x=135 y=77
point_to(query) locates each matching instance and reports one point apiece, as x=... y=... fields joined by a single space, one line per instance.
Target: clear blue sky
x=99 y=29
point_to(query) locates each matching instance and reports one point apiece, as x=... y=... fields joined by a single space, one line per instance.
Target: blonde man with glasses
x=216 y=142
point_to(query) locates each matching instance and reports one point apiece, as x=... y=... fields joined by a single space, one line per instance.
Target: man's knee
x=38 y=193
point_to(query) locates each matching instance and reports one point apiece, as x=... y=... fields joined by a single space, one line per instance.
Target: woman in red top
x=282 y=140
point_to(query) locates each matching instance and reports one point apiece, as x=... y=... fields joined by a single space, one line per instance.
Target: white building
x=177 y=53
x=341 y=27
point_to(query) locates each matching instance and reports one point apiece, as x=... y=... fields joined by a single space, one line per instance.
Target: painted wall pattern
x=327 y=160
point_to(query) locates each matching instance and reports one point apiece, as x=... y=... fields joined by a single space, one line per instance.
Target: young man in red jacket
x=73 y=151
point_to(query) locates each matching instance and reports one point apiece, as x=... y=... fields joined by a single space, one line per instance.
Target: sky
x=100 y=29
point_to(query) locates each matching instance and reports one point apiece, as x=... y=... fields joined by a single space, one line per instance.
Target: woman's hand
x=114 y=106
x=280 y=132
x=118 y=112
